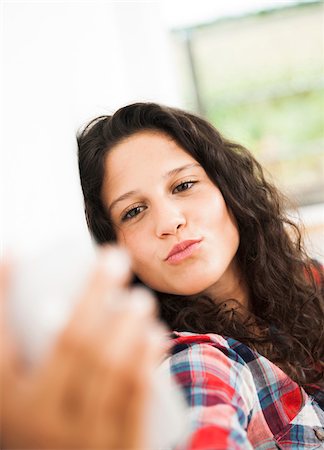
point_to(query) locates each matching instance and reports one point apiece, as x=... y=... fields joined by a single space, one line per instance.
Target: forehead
x=144 y=149
x=142 y=157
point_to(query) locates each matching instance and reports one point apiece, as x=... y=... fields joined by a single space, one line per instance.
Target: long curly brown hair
x=286 y=322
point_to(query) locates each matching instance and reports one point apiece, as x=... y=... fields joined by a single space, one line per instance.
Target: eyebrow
x=165 y=176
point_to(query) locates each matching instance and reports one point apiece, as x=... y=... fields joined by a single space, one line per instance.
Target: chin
x=190 y=290
x=200 y=284
x=185 y=287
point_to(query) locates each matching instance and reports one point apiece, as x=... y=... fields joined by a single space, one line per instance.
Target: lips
x=182 y=250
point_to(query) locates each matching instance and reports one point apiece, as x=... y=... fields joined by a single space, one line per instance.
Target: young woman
x=208 y=234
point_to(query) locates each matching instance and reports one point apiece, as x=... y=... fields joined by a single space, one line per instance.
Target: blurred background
x=254 y=69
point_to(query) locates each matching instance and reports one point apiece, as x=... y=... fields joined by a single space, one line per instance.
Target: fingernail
x=142 y=301
x=116 y=263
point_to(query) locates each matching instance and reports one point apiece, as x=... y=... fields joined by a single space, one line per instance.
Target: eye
x=184 y=186
x=132 y=213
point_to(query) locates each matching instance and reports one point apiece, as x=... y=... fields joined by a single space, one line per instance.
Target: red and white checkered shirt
x=239 y=399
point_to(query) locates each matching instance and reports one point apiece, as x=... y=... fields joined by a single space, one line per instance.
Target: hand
x=91 y=391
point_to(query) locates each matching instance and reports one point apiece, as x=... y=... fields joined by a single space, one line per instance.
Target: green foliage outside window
x=260 y=81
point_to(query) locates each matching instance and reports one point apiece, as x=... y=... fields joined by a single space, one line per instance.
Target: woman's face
x=158 y=197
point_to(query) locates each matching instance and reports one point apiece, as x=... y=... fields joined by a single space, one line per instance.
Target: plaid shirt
x=239 y=399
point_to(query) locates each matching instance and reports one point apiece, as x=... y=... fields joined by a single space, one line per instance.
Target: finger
x=111 y=346
x=135 y=414
x=119 y=352
x=135 y=313
x=135 y=411
x=111 y=273
x=119 y=405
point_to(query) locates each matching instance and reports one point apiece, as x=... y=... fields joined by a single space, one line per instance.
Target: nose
x=169 y=218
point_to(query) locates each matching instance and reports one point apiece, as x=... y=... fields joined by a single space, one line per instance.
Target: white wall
x=64 y=63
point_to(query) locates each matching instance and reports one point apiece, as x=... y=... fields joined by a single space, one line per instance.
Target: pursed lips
x=178 y=248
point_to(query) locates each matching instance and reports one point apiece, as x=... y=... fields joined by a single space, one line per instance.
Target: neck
x=231 y=286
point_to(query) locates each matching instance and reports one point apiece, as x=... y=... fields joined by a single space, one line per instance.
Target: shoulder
x=214 y=370
x=212 y=348
x=218 y=388
x=208 y=356
x=237 y=364
x=214 y=377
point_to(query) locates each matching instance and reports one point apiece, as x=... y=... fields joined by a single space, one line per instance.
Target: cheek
x=221 y=222
x=212 y=210
x=230 y=233
x=231 y=222
x=128 y=240
x=138 y=247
